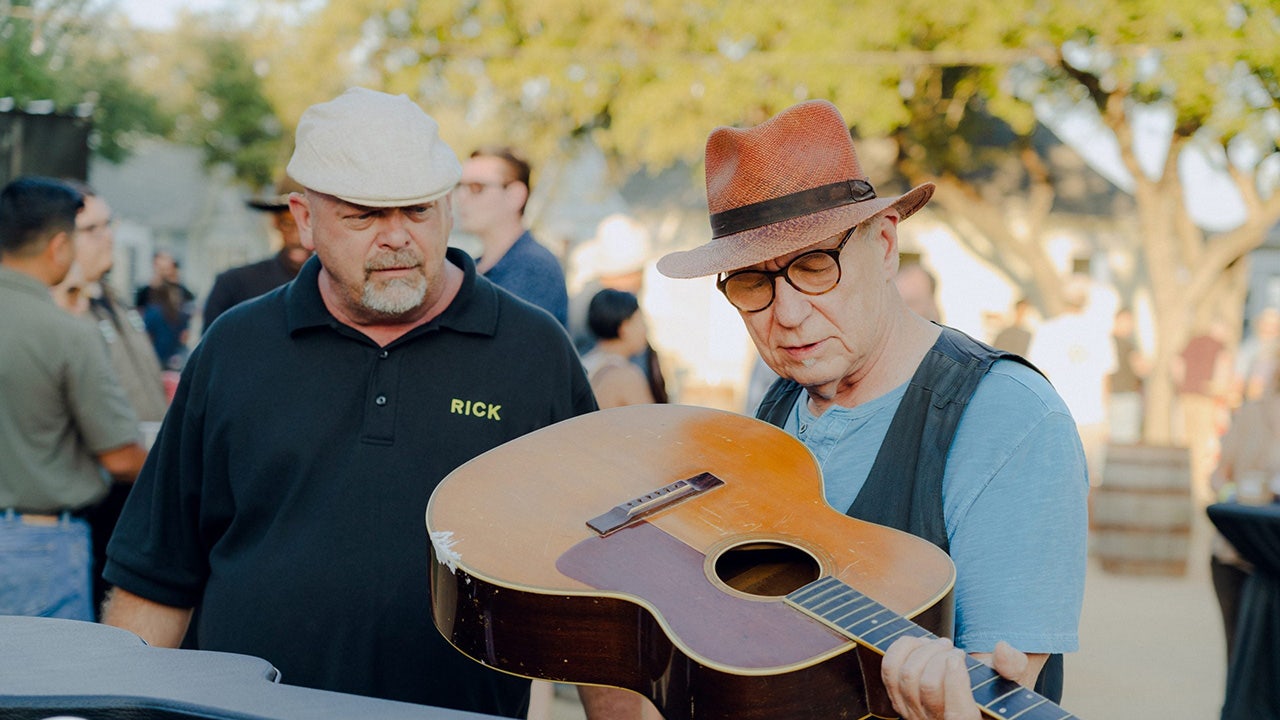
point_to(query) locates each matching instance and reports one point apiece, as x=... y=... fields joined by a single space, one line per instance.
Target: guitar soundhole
x=766 y=569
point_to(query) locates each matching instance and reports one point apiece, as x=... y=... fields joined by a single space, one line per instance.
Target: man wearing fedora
x=285 y=493
x=915 y=425
x=234 y=286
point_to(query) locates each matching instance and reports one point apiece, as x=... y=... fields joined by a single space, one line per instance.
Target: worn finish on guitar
x=686 y=605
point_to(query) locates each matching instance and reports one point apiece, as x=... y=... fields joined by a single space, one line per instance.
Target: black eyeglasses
x=813 y=273
x=475 y=188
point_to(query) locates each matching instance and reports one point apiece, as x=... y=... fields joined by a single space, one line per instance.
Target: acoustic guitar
x=685 y=554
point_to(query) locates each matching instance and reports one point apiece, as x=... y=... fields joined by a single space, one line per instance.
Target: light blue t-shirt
x=1015 y=478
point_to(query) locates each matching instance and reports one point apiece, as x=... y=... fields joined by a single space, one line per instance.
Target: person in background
x=619 y=327
x=1248 y=463
x=168 y=321
x=1075 y=351
x=1203 y=375
x=281 y=514
x=614 y=258
x=90 y=297
x=234 y=286
x=1257 y=358
x=491 y=199
x=1016 y=336
x=66 y=427
x=987 y=467
x=1124 y=402
x=164 y=271
x=919 y=290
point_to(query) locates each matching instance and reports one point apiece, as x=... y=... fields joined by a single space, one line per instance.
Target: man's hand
x=609 y=703
x=927 y=679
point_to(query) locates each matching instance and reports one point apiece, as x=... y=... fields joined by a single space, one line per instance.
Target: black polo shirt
x=286 y=492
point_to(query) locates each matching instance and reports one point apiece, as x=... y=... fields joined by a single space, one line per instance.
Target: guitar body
x=701 y=521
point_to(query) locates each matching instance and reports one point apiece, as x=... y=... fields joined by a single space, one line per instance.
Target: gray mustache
x=400 y=258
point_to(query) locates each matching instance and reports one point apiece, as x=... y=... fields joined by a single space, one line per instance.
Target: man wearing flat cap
x=234 y=286
x=285 y=493
x=915 y=425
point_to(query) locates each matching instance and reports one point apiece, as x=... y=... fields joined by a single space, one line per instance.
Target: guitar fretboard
x=875 y=626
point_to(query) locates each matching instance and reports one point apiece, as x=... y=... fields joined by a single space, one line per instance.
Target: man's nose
x=395 y=230
x=790 y=306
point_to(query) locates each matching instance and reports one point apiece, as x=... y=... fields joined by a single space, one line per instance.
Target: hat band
x=796 y=204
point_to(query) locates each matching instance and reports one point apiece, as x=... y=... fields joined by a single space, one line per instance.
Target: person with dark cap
x=284 y=498
x=234 y=286
x=914 y=425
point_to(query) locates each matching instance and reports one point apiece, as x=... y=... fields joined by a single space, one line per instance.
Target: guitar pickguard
x=730 y=631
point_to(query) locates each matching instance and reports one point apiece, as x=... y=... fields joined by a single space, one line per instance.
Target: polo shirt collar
x=473 y=310
x=24 y=283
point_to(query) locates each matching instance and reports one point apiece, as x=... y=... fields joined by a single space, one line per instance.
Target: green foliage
x=926 y=71
x=121 y=112
x=647 y=80
x=233 y=120
x=62 y=50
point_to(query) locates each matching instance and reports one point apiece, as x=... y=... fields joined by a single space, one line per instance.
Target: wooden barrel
x=1140 y=516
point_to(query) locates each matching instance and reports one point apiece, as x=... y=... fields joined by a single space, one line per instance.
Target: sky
x=161 y=13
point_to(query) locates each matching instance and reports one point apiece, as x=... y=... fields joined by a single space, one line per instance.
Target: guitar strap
x=914 y=452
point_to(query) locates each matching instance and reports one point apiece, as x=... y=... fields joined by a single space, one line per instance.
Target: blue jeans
x=45 y=569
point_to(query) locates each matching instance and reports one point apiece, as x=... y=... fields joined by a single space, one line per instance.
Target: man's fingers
x=891 y=669
x=959 y=693
x=1009 y=662
x=927 y=678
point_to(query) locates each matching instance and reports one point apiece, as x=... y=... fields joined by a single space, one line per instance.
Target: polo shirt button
x=380 y=400
x=384 y=354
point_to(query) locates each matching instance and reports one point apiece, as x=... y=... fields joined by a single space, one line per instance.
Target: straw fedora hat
x=781 y=186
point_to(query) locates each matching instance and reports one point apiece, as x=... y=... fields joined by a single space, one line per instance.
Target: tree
x=236 y=124
x=212 y=76
x=1210 y=66
x=1211 y=69
x=68 y=53
x=646 y=81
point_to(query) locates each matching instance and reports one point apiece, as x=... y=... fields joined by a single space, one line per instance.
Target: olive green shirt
x=60 y=403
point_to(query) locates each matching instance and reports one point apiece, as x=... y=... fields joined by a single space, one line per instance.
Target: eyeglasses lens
x=813 y=273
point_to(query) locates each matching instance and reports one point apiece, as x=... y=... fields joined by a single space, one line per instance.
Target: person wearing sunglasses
x=914 y=425
x=489 y=201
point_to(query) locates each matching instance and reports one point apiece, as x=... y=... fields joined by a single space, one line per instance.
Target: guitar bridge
x=632 y=511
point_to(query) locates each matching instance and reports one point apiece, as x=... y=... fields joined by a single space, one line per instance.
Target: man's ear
x=62 y=244
x=519 y=195
x=300 y=208
x=59 y=253
x=886 y=233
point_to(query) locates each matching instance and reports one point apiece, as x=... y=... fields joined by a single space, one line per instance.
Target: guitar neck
x=875 y=627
